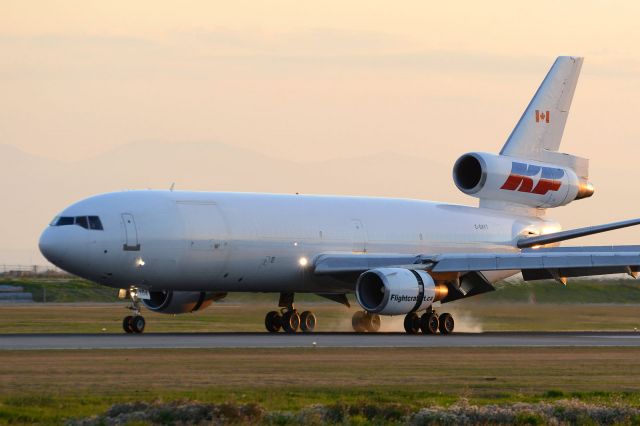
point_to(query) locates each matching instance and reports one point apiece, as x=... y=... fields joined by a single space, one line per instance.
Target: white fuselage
x=243 y=242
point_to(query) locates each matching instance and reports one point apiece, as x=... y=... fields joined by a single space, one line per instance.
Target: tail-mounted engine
x=180 y=302
x=394 y=291
x=513 y=180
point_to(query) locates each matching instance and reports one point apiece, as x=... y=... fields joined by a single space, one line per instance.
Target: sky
x=309 y=81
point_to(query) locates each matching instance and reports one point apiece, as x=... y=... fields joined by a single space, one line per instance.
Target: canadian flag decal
x=542 y=116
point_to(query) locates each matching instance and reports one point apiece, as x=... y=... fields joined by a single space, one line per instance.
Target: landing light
x=139 y=262
x=303 y=261
x=550 y=229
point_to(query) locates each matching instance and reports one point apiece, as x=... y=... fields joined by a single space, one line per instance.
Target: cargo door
x=206 y=236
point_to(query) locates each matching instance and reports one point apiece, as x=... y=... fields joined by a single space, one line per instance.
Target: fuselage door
x=205 y=234
x=130 y=233
x=358 y=236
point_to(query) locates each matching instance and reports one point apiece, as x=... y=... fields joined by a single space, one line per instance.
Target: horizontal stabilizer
x=574 y=233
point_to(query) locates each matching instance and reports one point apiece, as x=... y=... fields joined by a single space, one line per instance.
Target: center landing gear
x=133 y=323
x=288 y=319
x=428 y=323
x=363 y=321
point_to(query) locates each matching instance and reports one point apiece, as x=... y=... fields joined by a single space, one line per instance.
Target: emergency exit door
x=130 y=233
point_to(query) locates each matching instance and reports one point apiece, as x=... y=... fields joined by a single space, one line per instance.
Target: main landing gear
x=363 y=321
x=428 y=323
x=133 y=323
x=288 y=318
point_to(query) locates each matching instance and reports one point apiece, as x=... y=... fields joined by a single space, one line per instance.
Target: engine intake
x=394 y=291
x=180 y=302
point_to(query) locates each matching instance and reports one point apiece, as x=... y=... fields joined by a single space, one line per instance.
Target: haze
x=367 y=98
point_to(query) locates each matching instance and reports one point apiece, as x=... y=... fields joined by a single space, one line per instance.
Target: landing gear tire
x=446 y=323
x=412 y=323
x=373 y=325
x=137 y=324
x=133 y=323
x=364 y=321
x=290 y=321
x=307 y=322
x=273 y=322
x=126 y=324
x=357 y=322
x=429 y=323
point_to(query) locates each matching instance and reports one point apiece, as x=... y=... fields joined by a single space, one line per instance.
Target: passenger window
x=94 y=223
x=64 y=220
x=82 y=221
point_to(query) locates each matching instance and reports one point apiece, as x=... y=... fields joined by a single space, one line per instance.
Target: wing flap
x=544 y=274
x=532 y=260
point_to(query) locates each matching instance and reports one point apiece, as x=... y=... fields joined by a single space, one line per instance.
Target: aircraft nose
x=51 y=246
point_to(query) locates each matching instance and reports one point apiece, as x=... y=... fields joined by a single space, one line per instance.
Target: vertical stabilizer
x=541 y=126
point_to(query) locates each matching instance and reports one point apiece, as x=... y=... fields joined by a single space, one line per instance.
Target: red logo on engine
x=522 y=176
x=542 y=116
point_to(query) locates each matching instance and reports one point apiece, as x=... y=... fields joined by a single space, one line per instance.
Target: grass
x=578 y=290
x=227 y=317
x=48 y=386
x=612 y=290
x=63 y=289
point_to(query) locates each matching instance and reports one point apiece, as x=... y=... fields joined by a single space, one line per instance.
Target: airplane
x=175 y=252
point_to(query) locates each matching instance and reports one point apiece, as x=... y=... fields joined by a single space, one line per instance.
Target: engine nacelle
x=180 y=302
x=394 y=291
x=509 y=179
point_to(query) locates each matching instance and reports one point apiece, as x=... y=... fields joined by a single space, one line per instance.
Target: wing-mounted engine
x=524 y=182
x=394 y=291
x=180 y=302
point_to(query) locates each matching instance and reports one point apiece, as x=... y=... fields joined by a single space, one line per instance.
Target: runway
x=320 y=340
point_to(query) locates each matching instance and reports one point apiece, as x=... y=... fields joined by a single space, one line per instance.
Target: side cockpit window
x=94 y=223
x=86 y=222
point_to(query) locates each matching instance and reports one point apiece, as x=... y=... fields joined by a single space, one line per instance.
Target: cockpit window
x=64 y=220
x=82 y=221
x=94 y=223
x=87 y=222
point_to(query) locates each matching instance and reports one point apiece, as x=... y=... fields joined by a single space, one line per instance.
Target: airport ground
x=49 y=386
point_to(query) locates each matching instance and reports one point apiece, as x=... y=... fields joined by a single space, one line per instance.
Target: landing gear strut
x=365 y=321
x=288 y=318
x=133 y=323
x=428 y=323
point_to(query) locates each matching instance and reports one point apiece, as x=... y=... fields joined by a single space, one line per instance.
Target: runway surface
x=331 y=340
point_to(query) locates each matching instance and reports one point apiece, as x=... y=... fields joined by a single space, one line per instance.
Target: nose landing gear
x=133 y=323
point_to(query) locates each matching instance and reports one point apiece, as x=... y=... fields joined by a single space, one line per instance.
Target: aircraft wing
x=541 y=263
x=463 y=272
